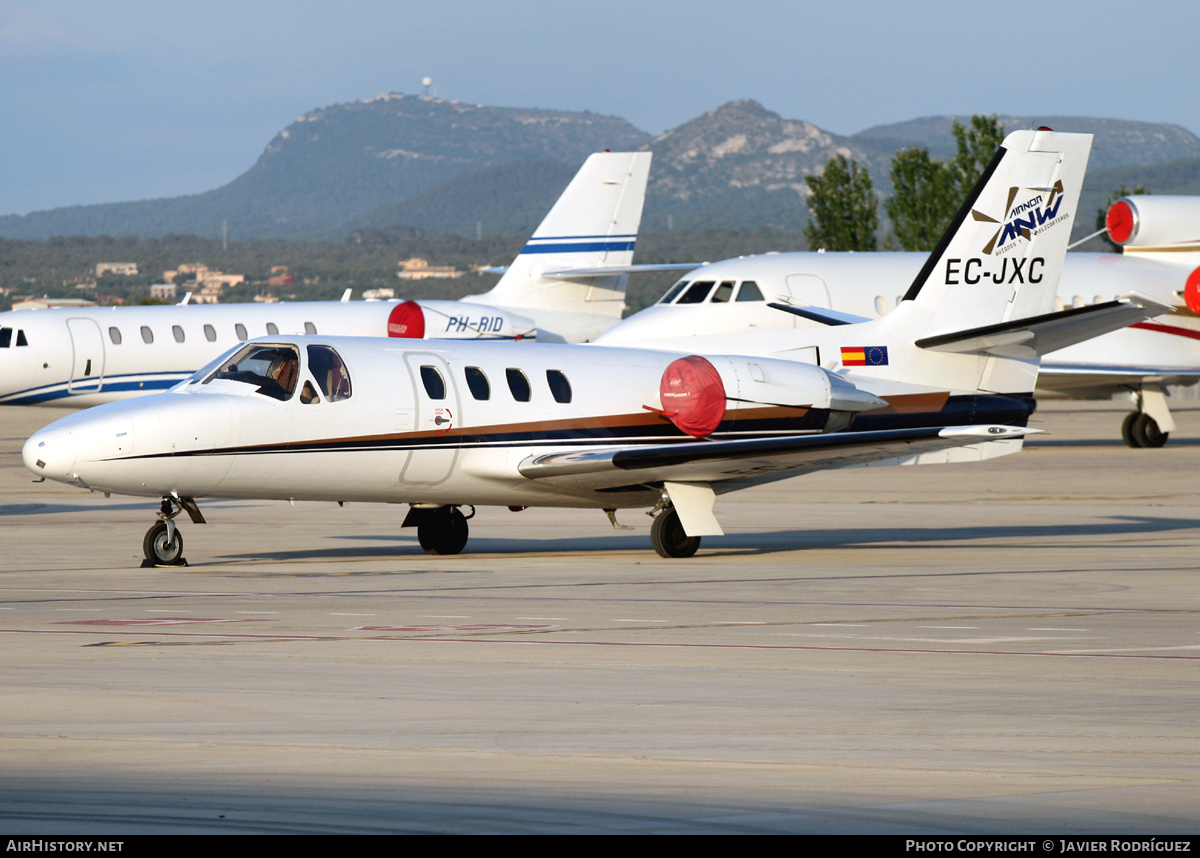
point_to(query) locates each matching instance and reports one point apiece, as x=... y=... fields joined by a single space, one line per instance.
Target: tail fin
x=594 y=223
x=963 y=324
x=1002 y=255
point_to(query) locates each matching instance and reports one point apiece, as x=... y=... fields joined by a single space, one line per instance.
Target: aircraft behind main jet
x=567 y=285
x=444 y=426
x=1161 y=240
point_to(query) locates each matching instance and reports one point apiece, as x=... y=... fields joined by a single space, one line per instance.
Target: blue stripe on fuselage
x=117 y=384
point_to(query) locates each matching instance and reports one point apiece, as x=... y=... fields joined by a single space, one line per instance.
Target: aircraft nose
x=51 y=454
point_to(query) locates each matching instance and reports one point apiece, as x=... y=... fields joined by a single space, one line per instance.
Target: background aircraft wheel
x=444 y=534
x=158 y=549
x=669 y=539
x=1127 y=429
x=1146 y=432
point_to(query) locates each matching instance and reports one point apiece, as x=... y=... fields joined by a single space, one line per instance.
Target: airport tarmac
x=1010 y=647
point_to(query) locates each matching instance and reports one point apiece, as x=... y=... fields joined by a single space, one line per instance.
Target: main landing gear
x=668 y=537
x=163 y=543
x=1142 y=430
x=1152 y=423
x=440 y=529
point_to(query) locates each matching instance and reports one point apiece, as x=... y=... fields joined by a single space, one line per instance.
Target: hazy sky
x=135 y=99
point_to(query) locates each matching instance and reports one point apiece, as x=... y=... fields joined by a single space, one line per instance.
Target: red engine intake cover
x=693 y=396
x=407 y=320
x=1119 y=222
x=1191 y=292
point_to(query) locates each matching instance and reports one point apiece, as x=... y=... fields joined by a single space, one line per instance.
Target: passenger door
x=87 y=363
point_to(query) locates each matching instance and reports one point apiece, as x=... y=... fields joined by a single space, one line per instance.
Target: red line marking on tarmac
x=529 y=642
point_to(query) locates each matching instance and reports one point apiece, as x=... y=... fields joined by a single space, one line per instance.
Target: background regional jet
x=1161 y=255
x=567 y=285
x=444 y=426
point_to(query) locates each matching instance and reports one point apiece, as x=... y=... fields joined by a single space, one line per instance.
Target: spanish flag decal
x=864 y=356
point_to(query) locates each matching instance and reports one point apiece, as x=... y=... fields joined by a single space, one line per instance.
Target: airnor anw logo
x=1028 y=212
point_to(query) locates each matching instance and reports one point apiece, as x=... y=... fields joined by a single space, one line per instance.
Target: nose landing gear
x=163 y=543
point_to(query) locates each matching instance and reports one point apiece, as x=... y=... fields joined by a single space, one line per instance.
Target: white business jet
x=567 y=285
x=445 y=426
x=1161 y=255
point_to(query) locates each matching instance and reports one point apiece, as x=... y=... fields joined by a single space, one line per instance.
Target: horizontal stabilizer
x=1039 y=335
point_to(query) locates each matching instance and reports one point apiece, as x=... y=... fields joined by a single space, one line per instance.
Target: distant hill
x=342 y=162
x=1118 y=142
x=442 y=166
x=509 y=199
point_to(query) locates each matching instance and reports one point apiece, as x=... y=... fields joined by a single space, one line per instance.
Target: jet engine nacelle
x=1148 y=221
x=697 y=391
x=457 y=320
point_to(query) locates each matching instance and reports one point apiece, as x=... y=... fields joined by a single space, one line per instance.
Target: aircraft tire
x=669 y=539
x=158 y=550
x=1146 y=432
x=1127 y=429
x=444 y=534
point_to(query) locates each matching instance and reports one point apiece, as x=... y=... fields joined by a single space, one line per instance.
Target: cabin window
x=240 y=330
x=308 y=395
x=722 y=293
x=310 y=328
x=329 y=371
x=272 y=329
x=559 y=386
x=518 y=385
x=147 y=335
x=21 y=341
x=749 y=292
x=5 y=337
x=273 y=369
x=696 y=293
x=477 y=383
x=435 y=385
x=177 y=332
x=210 y=333
x=672 y=292
x=114 y=334
x=881 y=306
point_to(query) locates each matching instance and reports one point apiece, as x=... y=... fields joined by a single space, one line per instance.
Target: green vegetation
x=845 y=213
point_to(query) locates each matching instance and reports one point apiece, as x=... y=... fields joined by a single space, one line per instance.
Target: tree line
x=927 y=193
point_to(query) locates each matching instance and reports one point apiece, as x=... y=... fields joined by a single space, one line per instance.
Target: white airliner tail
x=593 y=225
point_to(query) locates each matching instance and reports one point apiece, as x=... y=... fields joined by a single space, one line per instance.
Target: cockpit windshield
x=272 y=368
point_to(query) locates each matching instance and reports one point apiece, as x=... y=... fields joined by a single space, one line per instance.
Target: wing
x=1080 y=379
x=729 y=465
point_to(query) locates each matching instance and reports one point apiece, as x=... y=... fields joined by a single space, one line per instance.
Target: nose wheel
x=163 y=543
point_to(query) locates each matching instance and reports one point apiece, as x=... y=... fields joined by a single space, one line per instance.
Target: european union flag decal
x=864 y=356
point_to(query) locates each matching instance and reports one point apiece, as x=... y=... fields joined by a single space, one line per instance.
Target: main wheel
x=1146 y=432
x=1127 y=429
x=444 y=534
x=669 y=538
x=160 y=550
